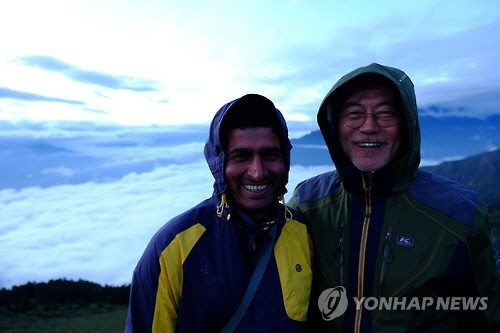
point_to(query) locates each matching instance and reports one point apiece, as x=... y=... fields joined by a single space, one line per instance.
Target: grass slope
x=93 y=318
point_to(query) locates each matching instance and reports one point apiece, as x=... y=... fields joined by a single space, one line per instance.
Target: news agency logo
x=332 y=303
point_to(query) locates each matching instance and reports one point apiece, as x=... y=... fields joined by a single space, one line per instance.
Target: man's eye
x=238 y=157
x=271 y=155
x=386 y=115
x=354 y=114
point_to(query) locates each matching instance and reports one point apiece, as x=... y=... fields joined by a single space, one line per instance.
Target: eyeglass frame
x=380 y=117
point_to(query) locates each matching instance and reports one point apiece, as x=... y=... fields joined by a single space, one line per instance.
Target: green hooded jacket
x=412 y=245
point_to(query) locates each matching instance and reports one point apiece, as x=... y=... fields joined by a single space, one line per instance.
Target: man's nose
x=257 y=169
x=370 y=124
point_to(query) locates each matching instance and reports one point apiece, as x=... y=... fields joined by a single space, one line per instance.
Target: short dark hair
x=250 y=111
x=361 y=84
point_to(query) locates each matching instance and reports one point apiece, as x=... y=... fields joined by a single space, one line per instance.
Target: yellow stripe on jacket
x=293 y=253
x=170 y=280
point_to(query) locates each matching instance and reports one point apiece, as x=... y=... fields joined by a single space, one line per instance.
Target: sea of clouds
x=97 y=228
x=97 y=231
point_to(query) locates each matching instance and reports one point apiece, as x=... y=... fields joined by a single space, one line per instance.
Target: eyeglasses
x=355 y=119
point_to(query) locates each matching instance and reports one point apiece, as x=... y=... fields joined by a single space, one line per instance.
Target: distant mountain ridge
x=458 y=136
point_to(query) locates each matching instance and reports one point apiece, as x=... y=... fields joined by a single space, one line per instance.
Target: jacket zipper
x=367 y=183
x=386 y=259
x=341 y=253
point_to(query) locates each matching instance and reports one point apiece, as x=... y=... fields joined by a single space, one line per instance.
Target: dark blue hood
x=214 y=153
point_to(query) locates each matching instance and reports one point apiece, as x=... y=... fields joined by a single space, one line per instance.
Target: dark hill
x=479 y=172
x=60 y=293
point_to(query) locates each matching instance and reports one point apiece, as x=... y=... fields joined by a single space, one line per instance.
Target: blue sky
x=76 y=74
x=177 y=62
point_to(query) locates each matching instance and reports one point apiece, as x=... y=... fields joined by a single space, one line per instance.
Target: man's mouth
x=255 y=188
x=369 y=144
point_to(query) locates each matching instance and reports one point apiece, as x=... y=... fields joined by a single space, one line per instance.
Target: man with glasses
x=406 y=250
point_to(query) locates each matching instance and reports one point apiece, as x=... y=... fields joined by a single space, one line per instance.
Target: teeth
x=255 y=188
x=369 y=144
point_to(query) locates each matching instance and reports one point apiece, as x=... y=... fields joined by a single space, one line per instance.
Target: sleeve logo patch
x=405 y=241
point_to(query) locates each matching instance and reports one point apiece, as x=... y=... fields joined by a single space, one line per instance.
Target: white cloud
x=95 y=231
x=60 y=171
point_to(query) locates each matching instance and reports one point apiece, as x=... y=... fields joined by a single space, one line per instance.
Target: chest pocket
x=293 y=253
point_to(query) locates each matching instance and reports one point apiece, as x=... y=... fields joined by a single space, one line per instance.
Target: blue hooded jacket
x=196 y=268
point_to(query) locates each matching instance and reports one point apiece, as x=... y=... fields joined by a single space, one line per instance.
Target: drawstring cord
x=288 y=213
x=223 y=205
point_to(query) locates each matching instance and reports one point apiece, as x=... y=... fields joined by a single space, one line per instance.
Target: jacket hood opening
x=402 y=168
x=251 y=110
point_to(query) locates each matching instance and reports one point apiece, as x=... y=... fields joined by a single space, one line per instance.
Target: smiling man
x=240 y=260
x=384 y=230
x=255 y=170
x=368 y=125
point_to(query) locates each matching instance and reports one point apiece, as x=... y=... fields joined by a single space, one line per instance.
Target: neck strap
x=253 y=284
